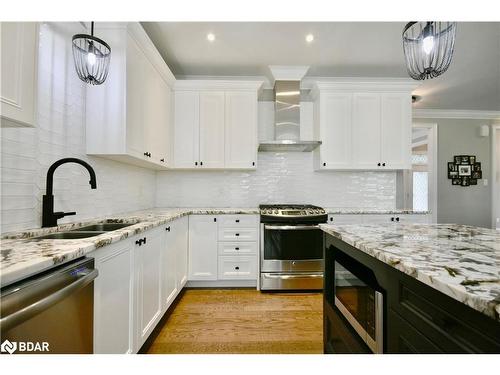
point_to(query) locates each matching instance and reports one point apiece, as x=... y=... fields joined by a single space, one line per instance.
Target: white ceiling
x=348 y=49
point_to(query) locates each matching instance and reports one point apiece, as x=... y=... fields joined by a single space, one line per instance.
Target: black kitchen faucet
x=49 y=217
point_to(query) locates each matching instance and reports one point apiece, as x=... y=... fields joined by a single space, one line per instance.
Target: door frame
x=495 y=128
x=433 y=165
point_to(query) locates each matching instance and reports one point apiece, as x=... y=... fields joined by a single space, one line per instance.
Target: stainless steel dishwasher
x=51 y=312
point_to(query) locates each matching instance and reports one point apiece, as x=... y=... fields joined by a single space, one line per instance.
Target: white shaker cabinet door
x=186 y=129
x=19 y=41
x=202 y=247
x=137 y=72
x=212 y=129
x=395 y=130
x=168 y=266
x=114 y=299
x=148 y=271
x=335 y=129
x=241 y=129
x=366 y=130
x=180 y=232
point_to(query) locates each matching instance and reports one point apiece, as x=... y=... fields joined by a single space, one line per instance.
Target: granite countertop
x=23 y=255
x=460 y=261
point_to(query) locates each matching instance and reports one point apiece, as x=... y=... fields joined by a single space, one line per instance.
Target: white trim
x=456 y=114
x=352 y=84
x=200 y=85
x=495 y=203
x=433 y=164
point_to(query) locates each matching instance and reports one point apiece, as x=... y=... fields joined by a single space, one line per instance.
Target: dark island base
x=417 y=318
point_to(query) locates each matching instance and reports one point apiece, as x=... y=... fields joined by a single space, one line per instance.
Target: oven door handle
x=291 y=227
x=298 y=276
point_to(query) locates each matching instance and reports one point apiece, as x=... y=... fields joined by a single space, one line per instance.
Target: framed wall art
x=464 y=170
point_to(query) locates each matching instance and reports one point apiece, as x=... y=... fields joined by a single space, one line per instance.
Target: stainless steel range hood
x=287 y=120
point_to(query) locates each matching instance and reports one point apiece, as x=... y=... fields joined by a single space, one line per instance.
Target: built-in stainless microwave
x=359 y=301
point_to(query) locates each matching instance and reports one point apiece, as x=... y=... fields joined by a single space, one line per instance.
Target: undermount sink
x=69 y=235
x=103 y=227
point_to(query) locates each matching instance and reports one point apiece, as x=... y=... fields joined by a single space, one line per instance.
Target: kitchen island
x=438 y=287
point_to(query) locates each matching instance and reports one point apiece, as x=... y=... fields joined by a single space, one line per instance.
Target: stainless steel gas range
x=291 y=247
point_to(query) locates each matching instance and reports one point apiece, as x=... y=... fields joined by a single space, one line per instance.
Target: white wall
x=279 y=178
x=27 y=153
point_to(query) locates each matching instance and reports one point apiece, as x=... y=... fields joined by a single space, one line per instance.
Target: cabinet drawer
x=238 y=221
x=237 y=267
x=235 y=234
x=237 y=248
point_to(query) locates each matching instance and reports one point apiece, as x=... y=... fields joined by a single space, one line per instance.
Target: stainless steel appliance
x=359 y=299
x=291 y=248
x=53 y=310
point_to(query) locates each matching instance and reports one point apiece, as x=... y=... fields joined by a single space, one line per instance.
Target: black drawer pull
x=392 y=219
x=383 y=164
x=237 y=234
x=236 y=248
x=138 y=242
x=236 y=268
x=324 y=164
x=144 y=240
x=397 y=219
x=237 y=220
x=378 y=164
x=201 y=163
x=195 y=163
x=167 y=229
x=215 y=219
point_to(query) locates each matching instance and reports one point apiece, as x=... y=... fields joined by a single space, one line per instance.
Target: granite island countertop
x=23 y=255
x=460 y=261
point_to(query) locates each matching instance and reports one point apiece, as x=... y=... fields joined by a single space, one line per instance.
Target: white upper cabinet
x=395 y=140
x=129 y=116
x=335 y=112
x=366 y=130
x=186 y=129
x=241 y=129
x=19 y=41
x=215 y=124
x=363 y=124
x=212 y=129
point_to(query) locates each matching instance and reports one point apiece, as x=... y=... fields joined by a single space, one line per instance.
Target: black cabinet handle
x=383 y=164
x=162 y=160
x=167 y=229
x=331 y=219
x=253 y=163
x=201 y=163
x=392 y=219
x=324 y=164
x=237 y=220
x=378 y=164
x=138 y=242
x=195 y=163
x=145 y=154
x=236 y=248
x=237 y=234
x=144 y=240
x=215 y=219
x=236 y=268
x=397 y=219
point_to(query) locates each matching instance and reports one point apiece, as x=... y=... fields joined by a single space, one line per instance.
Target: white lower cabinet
x=114 y=299
x=148 y=256
x=202 y=247
x=180 y=231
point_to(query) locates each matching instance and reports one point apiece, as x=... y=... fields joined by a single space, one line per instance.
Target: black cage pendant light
x=92 y=56
x=428 y=48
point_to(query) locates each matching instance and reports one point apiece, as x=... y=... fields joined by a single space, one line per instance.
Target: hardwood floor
x=242 y=321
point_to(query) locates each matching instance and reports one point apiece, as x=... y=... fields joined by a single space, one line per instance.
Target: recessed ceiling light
x=210 y=37
x=309 y=38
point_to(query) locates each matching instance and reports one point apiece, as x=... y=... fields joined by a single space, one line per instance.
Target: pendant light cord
x=92 y=28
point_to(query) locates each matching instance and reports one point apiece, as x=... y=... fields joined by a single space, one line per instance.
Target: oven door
x=286 y=248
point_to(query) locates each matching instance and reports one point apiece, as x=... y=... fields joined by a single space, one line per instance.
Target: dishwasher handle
x=17 y=317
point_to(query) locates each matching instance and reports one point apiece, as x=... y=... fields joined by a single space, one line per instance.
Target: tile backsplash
x=279 y=178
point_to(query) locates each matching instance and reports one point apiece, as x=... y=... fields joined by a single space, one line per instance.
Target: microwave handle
x=379 y=322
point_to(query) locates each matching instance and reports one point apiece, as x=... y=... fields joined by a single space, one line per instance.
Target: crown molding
x=456 y=114
x=208 y=84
